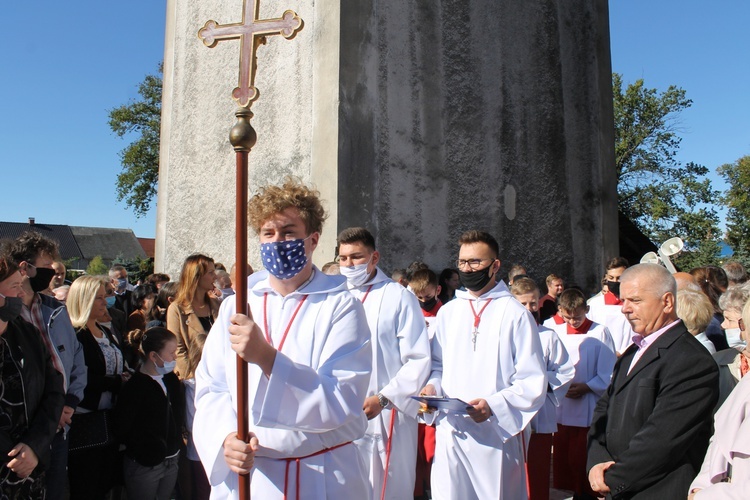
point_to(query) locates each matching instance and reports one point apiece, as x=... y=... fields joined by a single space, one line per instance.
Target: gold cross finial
x=251 y=32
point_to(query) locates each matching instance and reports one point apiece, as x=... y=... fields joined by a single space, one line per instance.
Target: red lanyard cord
x=388 y=452
x=478 y=317
x=288 y=326
x=367 y=293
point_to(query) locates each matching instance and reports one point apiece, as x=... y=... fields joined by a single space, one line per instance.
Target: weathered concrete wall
x=452 y=110
x=418 y=120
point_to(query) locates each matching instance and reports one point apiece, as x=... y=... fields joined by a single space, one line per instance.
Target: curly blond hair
x=272 y=200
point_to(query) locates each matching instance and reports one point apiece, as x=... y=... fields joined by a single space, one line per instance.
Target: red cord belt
x=296 y=461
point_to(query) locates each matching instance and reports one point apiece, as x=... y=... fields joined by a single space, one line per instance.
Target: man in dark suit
x=651 y=428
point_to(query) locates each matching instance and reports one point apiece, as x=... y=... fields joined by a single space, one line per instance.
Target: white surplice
x=728 y=454
x=612 y=317
x=593 y=356
x=400 y=367
x=506 y=368
x=560 y=372
x=311 y=402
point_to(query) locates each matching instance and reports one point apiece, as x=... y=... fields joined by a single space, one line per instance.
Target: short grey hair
x=735 y=298
x=660 y=280
x=116 y=269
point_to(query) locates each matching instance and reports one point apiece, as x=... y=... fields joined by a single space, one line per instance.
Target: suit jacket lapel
x=620 y=377
x=652 y=354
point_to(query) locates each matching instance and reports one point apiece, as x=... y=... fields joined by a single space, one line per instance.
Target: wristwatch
x=382 y=400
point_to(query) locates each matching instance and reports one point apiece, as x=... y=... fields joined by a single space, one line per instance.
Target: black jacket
x=148 y=423
x=655 y=422
x=43 y=390
x=98 y=381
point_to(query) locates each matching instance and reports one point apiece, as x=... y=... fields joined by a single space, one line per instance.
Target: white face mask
x=733 y=337
x=168 y=367
x=357 y=275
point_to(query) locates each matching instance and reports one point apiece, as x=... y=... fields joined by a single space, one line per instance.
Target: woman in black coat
x=32 y=395
x=93 y=471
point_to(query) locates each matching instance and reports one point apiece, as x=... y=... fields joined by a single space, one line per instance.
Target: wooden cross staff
x=252 y=32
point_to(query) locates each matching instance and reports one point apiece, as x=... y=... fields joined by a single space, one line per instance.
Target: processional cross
x=252 y=32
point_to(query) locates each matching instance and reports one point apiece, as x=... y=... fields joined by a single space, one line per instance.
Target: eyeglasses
x=472 y=264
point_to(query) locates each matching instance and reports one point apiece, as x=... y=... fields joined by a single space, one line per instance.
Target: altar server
x=593 y=353
x=400 y=366
x=560 y=372
x=486 y=351
x=307 y=344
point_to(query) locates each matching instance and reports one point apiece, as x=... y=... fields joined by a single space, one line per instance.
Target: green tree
x=137 y=182
x=138 y=269
x=737 y=200
x=662 y=196
x=97 y=266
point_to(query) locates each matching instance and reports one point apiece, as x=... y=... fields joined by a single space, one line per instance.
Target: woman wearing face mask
x=734 y=361
x=149 y=417
x=32 y=395
x=194 y=309
x=91 y=470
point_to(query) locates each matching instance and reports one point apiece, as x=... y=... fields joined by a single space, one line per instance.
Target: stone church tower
x=417 y=120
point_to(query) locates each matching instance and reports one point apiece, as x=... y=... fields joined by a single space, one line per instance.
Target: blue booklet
x=453 y=405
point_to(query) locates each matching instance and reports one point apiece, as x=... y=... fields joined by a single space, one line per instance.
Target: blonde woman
x=193 y=311
x=91 y=470
x=696 y=311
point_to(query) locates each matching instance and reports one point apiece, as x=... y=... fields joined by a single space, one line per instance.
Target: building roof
x=63 y=235
x=149 y=246
x=109 y=243
x=81 y=244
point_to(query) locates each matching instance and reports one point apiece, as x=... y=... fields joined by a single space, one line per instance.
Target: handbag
x=90 y=430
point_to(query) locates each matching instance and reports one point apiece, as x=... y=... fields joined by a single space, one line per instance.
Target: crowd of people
x=454 y=384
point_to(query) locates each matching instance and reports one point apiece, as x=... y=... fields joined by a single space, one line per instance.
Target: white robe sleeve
x=299 y=397
x=436 y=368
x=560 y=369
x=414 y=351
x=215 y=409
x=605 y=364
x=514 y=406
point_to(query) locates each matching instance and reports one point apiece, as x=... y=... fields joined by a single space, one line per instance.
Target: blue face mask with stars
x=284 y=259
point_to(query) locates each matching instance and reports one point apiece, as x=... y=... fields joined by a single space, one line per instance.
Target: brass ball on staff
x=242 y=136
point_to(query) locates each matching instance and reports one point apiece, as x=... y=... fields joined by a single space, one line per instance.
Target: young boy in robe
x=307 y=345
x=560 y=372
x=426 y=287
x=592 y=352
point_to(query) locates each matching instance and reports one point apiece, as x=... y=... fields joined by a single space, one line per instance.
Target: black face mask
x=614 y=287
x=427 y=305
x=41 y=281
x=11 y=310
x=476 y=280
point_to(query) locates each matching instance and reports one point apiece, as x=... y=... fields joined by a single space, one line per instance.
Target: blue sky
x=79 y=59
